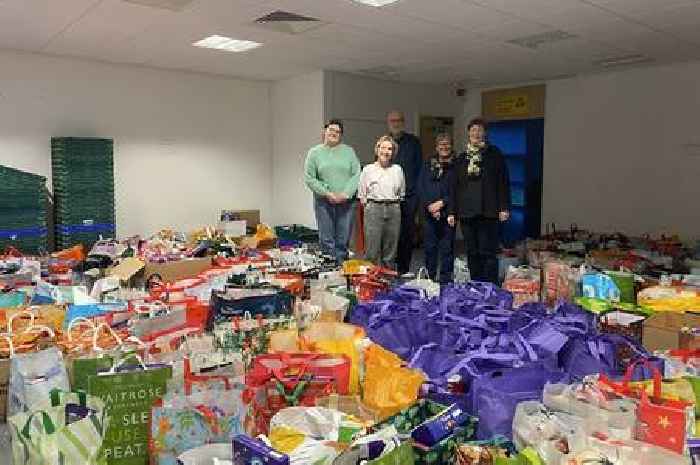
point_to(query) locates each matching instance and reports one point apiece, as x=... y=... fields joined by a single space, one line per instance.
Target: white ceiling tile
x=457 y=13
x=109 y=23
x=640 y=8
x=534 y=10
x=431 y=41
x=670 y=17
x=30 y=24
x=507 y=30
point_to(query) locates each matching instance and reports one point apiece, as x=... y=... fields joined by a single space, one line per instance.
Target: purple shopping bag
x=496 y=395
x=592 y=354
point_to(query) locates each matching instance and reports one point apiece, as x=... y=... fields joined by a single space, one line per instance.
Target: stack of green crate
x=83 y=185
x=22 y=210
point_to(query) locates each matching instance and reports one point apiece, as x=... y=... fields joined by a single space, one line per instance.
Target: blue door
x=521 y=142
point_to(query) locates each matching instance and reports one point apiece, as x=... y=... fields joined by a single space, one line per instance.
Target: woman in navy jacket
x=435 y=184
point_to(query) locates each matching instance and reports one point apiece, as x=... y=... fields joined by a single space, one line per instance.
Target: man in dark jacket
x=410 y=158
x=436 y=182
x=481 y=198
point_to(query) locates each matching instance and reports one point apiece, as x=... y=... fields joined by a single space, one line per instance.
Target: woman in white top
x=381 y=190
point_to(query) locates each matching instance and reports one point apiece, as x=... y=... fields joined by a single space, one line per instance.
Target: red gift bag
x=662 y=422
x=277 y=381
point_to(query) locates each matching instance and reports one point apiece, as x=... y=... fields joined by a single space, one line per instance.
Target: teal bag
x=13 y=299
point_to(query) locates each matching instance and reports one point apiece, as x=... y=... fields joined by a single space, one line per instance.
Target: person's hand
x=451 y=221
x=436 y=215
x=332 y=197
x=504 y=216
x=340 y=197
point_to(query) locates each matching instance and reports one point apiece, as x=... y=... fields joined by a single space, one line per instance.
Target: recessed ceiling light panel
x=227 y=44
x=376 y=3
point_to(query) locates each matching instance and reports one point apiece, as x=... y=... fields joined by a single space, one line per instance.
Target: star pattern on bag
x=664 y=423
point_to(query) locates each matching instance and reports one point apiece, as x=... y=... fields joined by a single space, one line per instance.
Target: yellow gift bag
x=389 y=387
x=336 y=338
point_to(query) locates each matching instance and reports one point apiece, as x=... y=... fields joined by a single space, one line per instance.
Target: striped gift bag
x=67 y=429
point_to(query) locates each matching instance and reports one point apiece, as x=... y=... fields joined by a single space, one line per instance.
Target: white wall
x=621 y=150
x=362 y=104
x=297 y=120
x=186 y=145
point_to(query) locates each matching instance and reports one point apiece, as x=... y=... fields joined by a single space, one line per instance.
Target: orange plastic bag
x=76 y=252
x=388 y=386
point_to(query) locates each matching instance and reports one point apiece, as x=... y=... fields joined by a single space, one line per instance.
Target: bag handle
x=655 y=373
x=55 y=395
x=191 y=378
x=11 y=347
x=122 y=360
x=40 y=328
x=10 y=321
x=96 y=333
x=76 y=321
x=46 y=421
x=481 y=355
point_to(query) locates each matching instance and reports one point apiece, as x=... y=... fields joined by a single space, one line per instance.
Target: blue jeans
x=335 y=223
x=439 y=242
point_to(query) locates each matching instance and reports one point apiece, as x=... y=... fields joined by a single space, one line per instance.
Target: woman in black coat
x=481 y=200
x=435 y=184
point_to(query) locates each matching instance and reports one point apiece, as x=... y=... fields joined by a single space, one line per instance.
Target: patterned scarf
x=437 y=167
x=474 y=156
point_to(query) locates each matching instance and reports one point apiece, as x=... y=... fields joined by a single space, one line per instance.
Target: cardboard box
x=236 y=228
x=181 y=269
x=127 y=269
x=251 y=217
x=664 y=330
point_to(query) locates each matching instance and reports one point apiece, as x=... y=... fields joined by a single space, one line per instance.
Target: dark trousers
x=481 y=238
x=439 y=242
x=406 y=239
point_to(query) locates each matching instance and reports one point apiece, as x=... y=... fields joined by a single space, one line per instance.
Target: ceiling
x=435 y=41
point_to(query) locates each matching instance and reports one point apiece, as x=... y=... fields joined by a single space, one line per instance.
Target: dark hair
x=336 y=122
x=478 y=122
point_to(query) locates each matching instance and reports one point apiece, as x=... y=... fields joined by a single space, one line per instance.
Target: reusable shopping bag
x=5 y=355
x=612 y=416
x=128 y=393
x=662 y=422
x=68 y=429
x=496 y=394
x=210 y=414
x=425 y=284
x=33 y=376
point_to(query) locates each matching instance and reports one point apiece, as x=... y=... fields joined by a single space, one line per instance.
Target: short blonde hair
x=386 y=138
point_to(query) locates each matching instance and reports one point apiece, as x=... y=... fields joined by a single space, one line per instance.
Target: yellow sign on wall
x=512 y=105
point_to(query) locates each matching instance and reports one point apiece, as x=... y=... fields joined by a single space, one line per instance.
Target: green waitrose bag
x=128 y=394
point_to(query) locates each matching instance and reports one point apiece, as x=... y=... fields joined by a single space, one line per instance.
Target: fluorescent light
x=376 y=2
x=226 y=43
